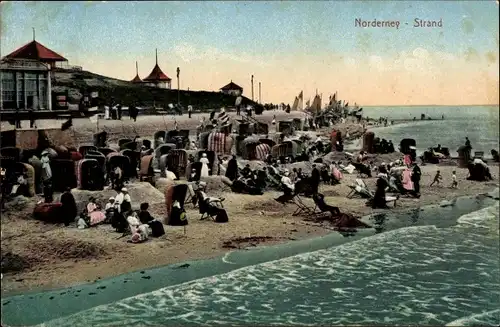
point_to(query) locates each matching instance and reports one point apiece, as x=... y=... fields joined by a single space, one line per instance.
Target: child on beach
x=454 y=183
x=437 y=178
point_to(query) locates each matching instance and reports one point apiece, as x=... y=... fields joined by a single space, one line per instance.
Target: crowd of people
x=401 y=177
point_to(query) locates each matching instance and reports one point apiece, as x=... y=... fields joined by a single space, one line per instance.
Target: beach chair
x=319 y=201
x=302 y=208
x=359 y=189
x=478 y=155
x=208 y=206
x=191 y=196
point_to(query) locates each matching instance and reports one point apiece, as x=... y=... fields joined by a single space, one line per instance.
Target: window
x=31 y=76
x=42 y=97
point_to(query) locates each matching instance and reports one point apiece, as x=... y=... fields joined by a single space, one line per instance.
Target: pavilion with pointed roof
x=136 y=79
x=37 y=51
x=232 y=89
x=26 y=77
x=157 y=77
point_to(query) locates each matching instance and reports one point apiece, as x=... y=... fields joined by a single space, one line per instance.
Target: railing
x=66 y=66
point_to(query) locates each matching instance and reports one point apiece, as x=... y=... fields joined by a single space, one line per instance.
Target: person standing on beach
x=119 y=111
x=454 y=183
x=415 y=178
x=31 y=116
x=437 y=178
x=47 y=178
x=315 y=179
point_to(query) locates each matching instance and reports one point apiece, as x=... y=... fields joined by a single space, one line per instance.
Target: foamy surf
x=489 y=318
x=416 y=274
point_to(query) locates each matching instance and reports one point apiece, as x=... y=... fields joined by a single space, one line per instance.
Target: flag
x=67 y=124
x=238 y=101
x=223 y=118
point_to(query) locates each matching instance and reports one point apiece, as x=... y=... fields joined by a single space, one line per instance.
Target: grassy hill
x=126 y=93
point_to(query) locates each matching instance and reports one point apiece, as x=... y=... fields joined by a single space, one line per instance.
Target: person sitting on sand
x=246 y=172
x=109 y=210
x=293 y=175
x=336 y=175
x=454 y=181
x=68 y=206
x=300 y=174
x=140 y=232
x=288 y=188
x=360 y=157
x=123 y=202
x=144 y=215
x=287 y=183
x=437 y=178
x=96 y=216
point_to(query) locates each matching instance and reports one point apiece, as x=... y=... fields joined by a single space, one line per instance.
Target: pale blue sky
x=268 y=30
x=252 y=26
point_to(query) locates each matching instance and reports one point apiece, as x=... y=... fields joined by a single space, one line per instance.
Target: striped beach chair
x=177 y=160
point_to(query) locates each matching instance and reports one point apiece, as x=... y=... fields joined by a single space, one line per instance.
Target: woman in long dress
x=205 y=171
x=96 y=216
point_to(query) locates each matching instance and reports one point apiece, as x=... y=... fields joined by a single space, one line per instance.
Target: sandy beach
x=52 y=256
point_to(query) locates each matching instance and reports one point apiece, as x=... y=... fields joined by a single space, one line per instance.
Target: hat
x=124 y=189
x=111 y=199
x=204 y=155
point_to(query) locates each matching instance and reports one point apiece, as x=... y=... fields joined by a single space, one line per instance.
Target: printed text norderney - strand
x=375 y=23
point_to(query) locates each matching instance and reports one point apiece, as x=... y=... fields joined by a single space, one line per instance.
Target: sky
x=288 y=46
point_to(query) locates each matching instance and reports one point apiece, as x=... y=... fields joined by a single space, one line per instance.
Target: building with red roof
x=37 y=51
x=26 y=77
x=157 y=77
x=232 y=89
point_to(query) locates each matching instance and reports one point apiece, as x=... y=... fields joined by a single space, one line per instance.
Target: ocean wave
x=484 y=218
x=411 y=275
x=491 y=318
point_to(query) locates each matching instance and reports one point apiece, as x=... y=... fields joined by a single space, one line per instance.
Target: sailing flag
x=238 y=101
x=223 y=117
x=67 y=124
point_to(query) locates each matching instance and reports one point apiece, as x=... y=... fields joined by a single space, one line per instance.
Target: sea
x=479 y=123
x=436 y=265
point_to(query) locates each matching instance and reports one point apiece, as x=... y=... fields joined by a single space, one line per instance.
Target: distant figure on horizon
x=31 y=117
x=190 y=110
x=119 y=111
